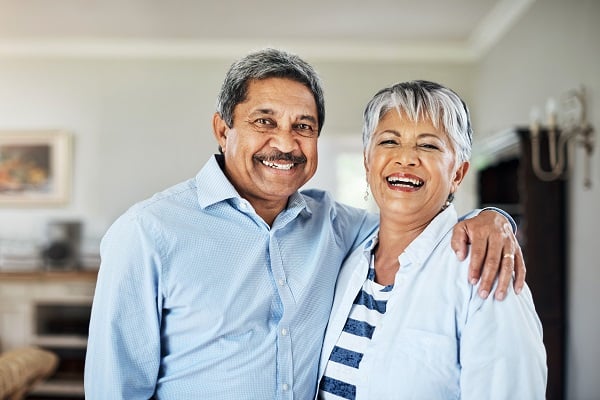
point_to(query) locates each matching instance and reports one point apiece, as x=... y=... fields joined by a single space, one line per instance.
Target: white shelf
x=60 y=341
x=58 y=387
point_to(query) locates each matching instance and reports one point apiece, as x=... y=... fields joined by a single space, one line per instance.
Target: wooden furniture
x=50 y=310
x=540 y=210
x=21 y=369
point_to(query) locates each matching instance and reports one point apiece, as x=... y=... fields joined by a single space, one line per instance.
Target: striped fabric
x=341 y=372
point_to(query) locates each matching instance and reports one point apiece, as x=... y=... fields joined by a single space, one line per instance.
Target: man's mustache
x=280 y=156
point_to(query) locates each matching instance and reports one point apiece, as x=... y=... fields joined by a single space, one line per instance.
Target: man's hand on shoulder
x=495 y=251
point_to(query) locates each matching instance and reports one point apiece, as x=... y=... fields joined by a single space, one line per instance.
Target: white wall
x=552 y=49
x=137 y=127
x=142 y=125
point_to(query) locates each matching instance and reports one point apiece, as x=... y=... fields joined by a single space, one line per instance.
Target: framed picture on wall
x=35 y=167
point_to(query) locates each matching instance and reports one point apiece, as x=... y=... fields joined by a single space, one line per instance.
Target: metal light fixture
x=567 y=126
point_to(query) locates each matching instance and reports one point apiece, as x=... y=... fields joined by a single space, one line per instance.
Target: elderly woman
x=406 y=324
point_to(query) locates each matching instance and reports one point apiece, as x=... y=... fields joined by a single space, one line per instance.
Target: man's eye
x=388 y=142
x=263 y=121
x=429 y=146
x=304 y=127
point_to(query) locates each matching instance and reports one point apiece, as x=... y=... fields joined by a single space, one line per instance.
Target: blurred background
x=124 y=92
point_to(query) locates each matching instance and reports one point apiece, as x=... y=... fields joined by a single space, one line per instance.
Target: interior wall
x=552 y=49
x=136 y=127
x=139 y=126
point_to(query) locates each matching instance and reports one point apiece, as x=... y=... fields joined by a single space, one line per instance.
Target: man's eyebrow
x=308 y=117
x=267 y=111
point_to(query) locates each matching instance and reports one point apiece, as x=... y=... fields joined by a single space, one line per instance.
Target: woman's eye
x=429 y=146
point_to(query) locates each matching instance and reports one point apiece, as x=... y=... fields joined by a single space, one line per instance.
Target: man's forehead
x=277 y=95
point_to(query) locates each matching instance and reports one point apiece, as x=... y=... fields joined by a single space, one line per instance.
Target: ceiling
x=382 y=29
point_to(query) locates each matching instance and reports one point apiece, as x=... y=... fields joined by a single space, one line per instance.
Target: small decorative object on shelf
x=63 y=245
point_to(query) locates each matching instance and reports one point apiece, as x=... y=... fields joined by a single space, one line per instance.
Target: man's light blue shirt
x=438 y=339
x=198 y=298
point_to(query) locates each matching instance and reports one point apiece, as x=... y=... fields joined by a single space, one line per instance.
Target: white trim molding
x=489 y=32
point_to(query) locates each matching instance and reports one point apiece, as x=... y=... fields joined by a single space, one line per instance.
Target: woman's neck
x=394 y=238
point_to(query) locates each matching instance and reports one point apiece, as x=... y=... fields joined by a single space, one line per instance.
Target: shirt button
x=281 y=282
x=285 y=387
x=284 y=332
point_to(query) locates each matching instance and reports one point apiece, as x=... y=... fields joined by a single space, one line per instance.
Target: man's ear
x=220 y=130
x=459 y=175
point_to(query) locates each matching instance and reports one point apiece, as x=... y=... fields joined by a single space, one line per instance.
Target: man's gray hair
x=263 y=64
x=420 y=100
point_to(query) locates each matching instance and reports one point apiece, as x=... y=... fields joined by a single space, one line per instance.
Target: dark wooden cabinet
x=540 y=211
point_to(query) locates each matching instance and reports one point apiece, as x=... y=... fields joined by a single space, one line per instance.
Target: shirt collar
x=419 y=249
x=213 y=187
x=212 y=184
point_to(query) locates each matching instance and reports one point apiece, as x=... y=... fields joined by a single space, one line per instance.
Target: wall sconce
x=567 y=126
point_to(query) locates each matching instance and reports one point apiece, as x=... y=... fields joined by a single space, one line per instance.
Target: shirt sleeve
x=502 y=355
x=123 y=353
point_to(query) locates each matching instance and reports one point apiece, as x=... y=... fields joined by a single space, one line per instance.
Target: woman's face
x=411 y=168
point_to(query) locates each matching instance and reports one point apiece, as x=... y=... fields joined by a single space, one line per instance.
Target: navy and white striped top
x=341 y=372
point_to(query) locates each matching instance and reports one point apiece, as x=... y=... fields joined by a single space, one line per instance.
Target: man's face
x=271 y=149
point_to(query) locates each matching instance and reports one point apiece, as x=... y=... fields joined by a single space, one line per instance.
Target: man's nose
x=284 y=139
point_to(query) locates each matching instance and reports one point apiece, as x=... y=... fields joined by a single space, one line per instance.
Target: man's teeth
x=405 y=181
x=278 y=166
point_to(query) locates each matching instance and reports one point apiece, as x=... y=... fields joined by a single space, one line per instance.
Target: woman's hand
x=493 y=247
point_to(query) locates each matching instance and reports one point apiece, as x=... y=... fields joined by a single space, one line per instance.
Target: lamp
x=567 y=126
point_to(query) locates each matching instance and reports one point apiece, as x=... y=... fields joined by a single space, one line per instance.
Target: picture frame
x=35 y=167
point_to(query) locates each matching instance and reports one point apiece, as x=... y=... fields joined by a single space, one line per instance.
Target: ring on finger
x=511 y=256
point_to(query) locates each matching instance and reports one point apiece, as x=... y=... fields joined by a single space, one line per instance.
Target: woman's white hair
x=420 y=100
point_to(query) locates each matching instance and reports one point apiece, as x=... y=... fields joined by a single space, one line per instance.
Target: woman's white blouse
x=438 y=339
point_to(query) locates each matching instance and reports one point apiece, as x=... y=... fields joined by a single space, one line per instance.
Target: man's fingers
x=478 y=254
x=507 y=266
x=490 y=269
x=520 y=271
x=460 y=240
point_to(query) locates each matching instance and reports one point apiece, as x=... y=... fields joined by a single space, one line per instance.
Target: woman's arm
x=502 y=355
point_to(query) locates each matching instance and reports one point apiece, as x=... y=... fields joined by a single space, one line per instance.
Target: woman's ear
x=220 y=130
x=459 y=175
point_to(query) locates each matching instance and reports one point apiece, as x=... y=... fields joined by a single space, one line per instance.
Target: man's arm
x=123 y=353
x=493 y=247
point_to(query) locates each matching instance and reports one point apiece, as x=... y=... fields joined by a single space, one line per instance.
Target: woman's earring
x=449 y=201
x=366 y=197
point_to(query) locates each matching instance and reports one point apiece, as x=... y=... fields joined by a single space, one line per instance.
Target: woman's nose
x=407 y=156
